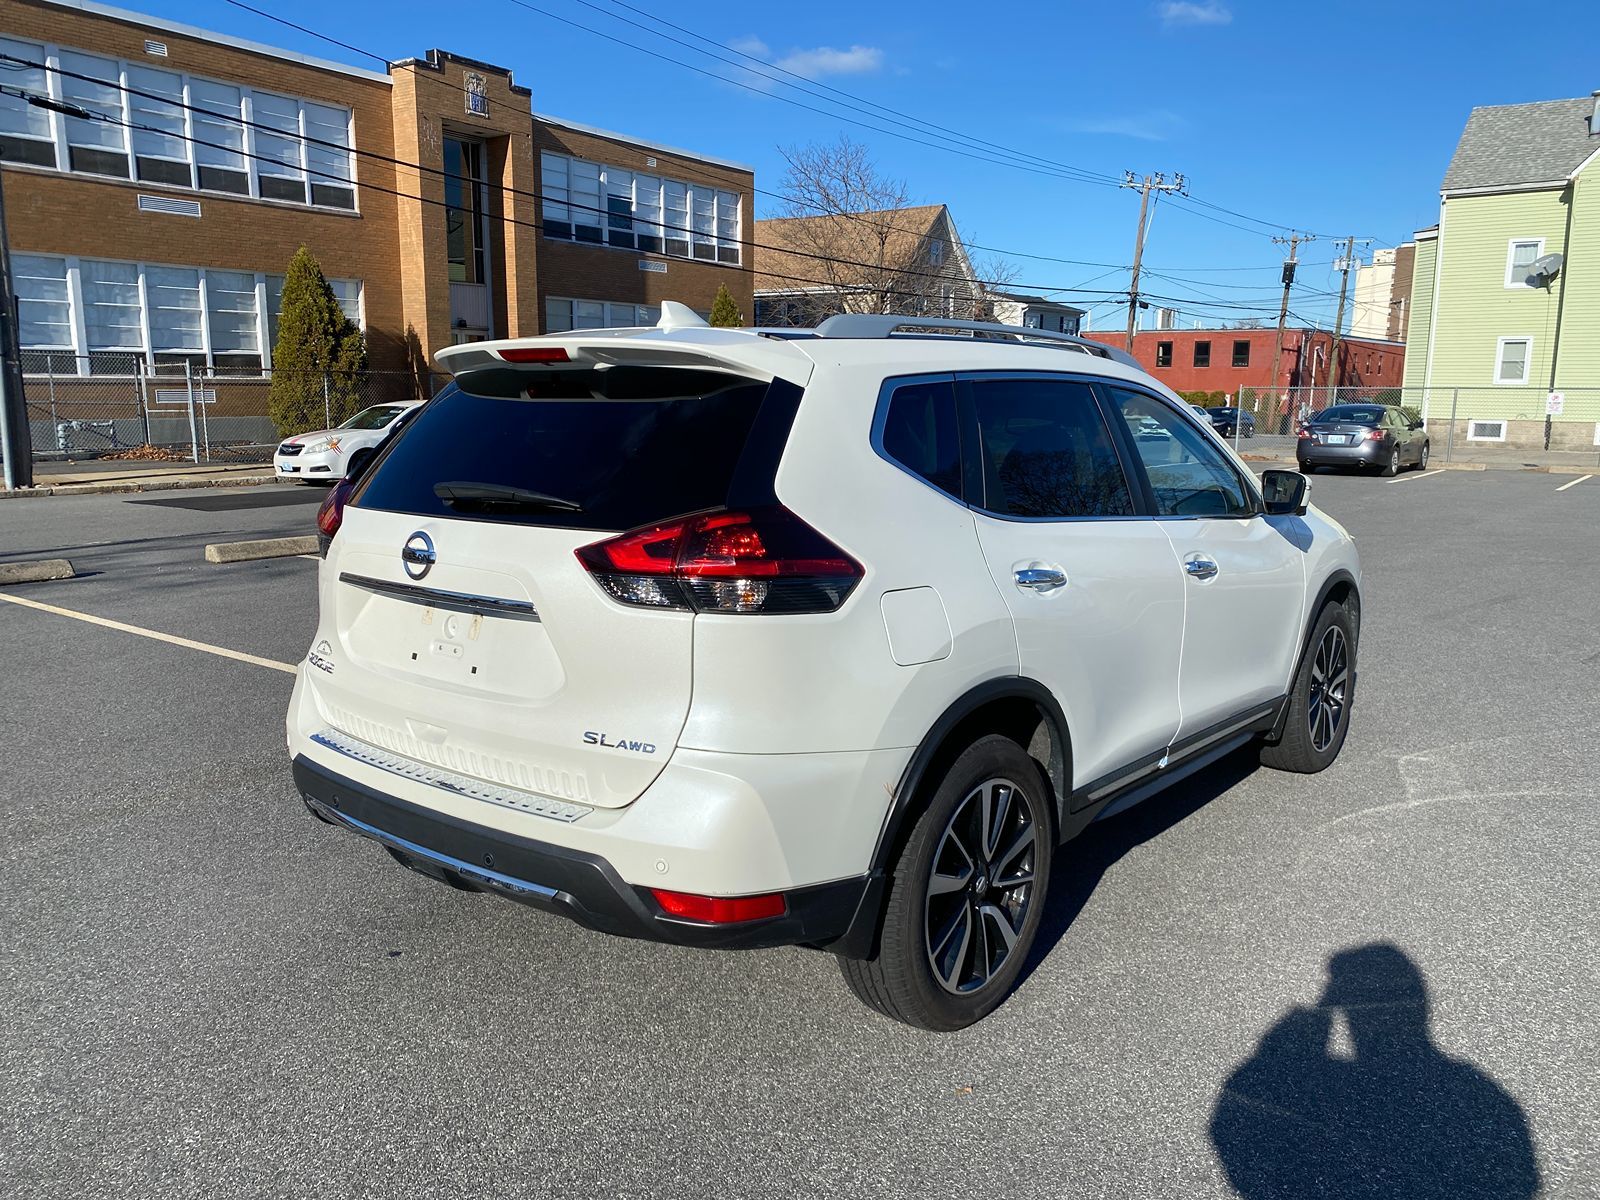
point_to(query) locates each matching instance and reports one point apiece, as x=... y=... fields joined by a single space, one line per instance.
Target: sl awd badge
x=417 y=555
x=322 y=657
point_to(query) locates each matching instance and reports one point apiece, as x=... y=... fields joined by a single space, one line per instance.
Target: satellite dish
x=1542 y=270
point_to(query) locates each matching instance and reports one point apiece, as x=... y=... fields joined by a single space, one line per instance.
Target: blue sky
x=1337 y=119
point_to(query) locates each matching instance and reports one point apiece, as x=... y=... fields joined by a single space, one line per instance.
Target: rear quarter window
x=627 y=447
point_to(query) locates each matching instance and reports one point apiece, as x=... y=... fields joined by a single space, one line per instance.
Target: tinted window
x=1241 y=353
x=1189 y=476
x=1202 y=354
x=1046 y=451
x=1350 y=414
x=630 y=446
x=919 y=433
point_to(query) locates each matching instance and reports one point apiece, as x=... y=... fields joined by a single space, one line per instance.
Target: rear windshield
x=1350 y=414
x=584 y=449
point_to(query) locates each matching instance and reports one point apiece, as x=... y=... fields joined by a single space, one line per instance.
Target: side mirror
x=1419 y=423
x=1285 y=493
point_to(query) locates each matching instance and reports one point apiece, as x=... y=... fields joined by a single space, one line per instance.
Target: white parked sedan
x=323 y=454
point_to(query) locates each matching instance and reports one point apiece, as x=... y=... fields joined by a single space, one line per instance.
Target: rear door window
x=586 y=449
x=1045 y=450
x=920 y=434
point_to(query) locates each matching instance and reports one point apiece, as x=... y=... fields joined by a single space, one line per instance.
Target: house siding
x=1421 y=324
x=1474 y=307
x=1578 y=357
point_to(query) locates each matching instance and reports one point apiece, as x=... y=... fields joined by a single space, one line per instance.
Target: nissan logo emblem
x=417 y=555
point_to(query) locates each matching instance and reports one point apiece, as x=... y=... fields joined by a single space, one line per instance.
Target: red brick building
x=1224 y=360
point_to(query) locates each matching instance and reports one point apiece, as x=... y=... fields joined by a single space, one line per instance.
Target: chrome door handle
x=1040 y=579
x=1200 y=568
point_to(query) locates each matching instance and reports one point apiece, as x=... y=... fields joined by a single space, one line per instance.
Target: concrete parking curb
x=150 y=485
x=284 y=547
x=36 y=571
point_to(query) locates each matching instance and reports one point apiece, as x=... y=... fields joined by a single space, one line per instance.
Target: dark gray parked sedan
x=1380 y=437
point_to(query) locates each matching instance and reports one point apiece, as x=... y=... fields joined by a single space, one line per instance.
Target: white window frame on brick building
x=202 y=134
x=564 y=313
x=598 y=205
x=85 y=316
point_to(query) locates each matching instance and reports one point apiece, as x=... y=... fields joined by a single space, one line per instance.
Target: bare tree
x=846 y=243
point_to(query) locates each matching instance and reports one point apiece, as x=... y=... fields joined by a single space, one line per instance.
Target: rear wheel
x=1391 y=464
x=967 y=894
x=1422 y=459
x=1320 y=698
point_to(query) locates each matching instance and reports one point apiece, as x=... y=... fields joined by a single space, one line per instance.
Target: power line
x=310 y=32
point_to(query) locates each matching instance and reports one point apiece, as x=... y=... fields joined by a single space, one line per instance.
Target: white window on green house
x=1520 y=257
x=1512 y=357
x=25 y=132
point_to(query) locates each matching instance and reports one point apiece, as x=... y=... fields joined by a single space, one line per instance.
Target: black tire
x=902 y=982
x=1308 y=743
x=1422 y=458
x=1391 y=465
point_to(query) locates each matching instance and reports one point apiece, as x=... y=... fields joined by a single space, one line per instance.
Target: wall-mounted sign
x=477 y=90
x=660 y=268
x=1554 y=403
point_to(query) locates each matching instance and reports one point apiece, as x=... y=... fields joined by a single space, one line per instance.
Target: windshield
x=1349 y=414
x=374 y=418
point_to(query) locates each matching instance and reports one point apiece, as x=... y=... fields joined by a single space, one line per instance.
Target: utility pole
x=1338 y=321
x=1293 y=241
x=1150 y=183
x=16 y=439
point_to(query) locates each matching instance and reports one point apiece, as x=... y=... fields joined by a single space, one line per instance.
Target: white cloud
x=1154 y=126
x=751 y=45
x=825 y=60
x=1185 y=12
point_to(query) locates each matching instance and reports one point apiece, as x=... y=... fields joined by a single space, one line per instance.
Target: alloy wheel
x=1330 y=684
x=981 y=886
x=1423 y=461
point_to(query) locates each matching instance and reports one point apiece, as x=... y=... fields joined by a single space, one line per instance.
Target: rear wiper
x=500 y=493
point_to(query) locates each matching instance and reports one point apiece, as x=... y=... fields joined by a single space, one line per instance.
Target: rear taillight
x=763 y=560
x=720 y=910
x=330 y=515
x=1375 y=436
x=1303 y=433
x=534 y=354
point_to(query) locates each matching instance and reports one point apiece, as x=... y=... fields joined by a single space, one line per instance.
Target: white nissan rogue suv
x=824 y=637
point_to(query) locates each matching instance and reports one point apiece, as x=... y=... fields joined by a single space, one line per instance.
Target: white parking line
x=220 y=651
x=1574 y=483
x=1423 y=475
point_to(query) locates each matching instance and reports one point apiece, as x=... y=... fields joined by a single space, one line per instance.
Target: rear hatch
x=471 y=636
x=1339 y=433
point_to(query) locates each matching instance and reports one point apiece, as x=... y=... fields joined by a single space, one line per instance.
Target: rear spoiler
x=681 y=340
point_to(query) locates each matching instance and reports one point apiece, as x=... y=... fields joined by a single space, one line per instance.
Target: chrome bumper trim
x=437 y=598
x=460 y=785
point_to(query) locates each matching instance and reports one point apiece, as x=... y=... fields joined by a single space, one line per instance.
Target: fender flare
x=1010 y=687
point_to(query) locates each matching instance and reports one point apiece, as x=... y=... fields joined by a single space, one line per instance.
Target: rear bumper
x=1362 y=454
x=583 y=887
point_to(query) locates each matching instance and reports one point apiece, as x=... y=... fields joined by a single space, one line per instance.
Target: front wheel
x=1319 y=699
x=967 y=894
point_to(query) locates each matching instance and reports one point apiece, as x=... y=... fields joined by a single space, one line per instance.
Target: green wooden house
x=1498 y=323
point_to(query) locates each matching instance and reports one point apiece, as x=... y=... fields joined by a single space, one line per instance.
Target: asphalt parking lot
x=1378 y=981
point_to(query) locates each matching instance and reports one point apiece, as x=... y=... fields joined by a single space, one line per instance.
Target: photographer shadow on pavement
x=1386 y=1114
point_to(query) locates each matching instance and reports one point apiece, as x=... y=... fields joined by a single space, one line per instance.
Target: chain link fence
x=78 y=409
x=1514 y=426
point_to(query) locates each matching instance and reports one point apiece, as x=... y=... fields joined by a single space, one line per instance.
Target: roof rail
x=873 y=325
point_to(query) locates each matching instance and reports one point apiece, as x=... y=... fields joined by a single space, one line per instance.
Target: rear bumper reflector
x=460 y=785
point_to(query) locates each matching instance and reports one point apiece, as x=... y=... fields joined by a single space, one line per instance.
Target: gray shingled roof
x=1522 y=143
